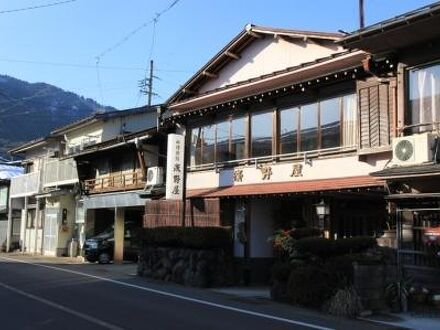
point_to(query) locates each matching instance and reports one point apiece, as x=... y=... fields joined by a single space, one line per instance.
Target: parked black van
x=101 y=247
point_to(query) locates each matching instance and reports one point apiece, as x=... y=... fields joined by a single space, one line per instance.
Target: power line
x=129 y=35
x=52 y=4
x=73 y=65
x=88 y=66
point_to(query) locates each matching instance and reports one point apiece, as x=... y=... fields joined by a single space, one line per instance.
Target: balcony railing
x=25 y=185
x=115 y=182
x=60 y=172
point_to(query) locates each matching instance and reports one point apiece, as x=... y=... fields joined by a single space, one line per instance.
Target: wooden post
x=10 y=222
x=118 y=255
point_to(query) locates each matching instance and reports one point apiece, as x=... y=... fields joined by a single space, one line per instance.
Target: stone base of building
x=190 y=267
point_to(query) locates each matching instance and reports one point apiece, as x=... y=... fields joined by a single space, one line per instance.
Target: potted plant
x=397 y=293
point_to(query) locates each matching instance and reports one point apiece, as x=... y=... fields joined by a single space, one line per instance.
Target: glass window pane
x=288 y=130
x=350 y=120
x=309 y=127
x=208 y=143
x=330 y=123
x=223 y=141
x=424 y=97
x=238 y=133
x=261 y=134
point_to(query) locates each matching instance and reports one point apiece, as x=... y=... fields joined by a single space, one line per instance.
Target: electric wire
x=52 y=4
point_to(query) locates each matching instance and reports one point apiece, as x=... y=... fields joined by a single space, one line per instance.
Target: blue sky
x=59 y=45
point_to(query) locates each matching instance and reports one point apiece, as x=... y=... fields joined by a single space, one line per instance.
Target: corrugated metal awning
x=296 y=187
x=112 y=200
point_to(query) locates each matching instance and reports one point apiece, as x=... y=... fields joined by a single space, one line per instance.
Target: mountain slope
x=31 y=110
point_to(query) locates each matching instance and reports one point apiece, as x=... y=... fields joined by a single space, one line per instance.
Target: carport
x=117 y=209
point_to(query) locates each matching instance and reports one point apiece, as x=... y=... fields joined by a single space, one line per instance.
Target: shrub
x=315 y=246
x=353 y=244
x=325 y=248
x=189 y=237
x=300 y=233
x=310 y=286
x=280 y=271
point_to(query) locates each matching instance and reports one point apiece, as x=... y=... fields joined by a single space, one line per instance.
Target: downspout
x=9 y=227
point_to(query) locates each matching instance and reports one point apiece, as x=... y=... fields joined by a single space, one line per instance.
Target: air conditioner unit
x=154 y=176
x=413 y=149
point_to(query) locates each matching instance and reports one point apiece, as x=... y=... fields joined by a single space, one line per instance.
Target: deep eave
x=101 y=117
x=117 y=142
x=284 y=78
x=234 y=47
x=406 y=172
x=398 y=32
x=38 y=142
x=297 y=187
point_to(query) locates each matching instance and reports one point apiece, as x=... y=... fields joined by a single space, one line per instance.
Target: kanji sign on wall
x=175 y=154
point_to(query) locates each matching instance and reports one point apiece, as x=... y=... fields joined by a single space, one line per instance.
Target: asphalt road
x=35 y=294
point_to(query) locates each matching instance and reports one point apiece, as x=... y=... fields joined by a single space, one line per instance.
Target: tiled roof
x=408 y=171
x=272 y=188
x=398 y=32
x=103 y=116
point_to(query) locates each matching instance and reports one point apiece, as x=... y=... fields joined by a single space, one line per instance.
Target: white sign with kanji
x=175 y=154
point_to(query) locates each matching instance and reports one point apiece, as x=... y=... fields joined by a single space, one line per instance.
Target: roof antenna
x=361 y=14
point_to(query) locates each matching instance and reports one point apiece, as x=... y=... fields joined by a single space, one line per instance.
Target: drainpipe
x=9 y=229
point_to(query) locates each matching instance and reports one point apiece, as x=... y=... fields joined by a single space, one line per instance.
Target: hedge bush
x=325 y=248
x=300 y=233
x=311 y=286
x=315 y=246
x=280 y=271
x=189 y=237
x=353 y=244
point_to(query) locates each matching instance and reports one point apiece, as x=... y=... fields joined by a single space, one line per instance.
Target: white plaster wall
x=76 y=136
x=39 y=155
x=261 y=227
x=109 y=129
x=318 y=170
x=267 y=55
x=133 y=123
x=64 y=237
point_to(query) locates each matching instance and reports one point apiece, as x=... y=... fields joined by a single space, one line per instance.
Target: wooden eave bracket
x=232 y=55
x=188 y=91
x=255 y=34
x=209 y=74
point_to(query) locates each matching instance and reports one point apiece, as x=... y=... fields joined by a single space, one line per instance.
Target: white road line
x=177 y=296
x=83 y=316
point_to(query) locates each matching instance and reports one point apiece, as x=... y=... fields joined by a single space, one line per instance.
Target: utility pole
x=361 y=14
x=150 y=84
x=146 y=85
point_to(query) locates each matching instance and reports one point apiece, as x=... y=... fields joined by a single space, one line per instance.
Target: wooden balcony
x=115 y=182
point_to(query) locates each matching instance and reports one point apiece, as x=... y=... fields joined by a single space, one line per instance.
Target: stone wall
x=190 y=267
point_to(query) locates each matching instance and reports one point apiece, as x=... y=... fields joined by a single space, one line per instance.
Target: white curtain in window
x=421 y=79
x=350 y=121
x=433 y=97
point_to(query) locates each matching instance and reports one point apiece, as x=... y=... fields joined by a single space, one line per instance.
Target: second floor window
x=261 y=128
x=329 y=123
x=424 y=98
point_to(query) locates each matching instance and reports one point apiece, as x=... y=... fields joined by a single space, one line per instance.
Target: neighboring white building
x=6 y=173
x=55 y=206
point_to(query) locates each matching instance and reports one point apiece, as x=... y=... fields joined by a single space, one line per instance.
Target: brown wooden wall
x=199 y=213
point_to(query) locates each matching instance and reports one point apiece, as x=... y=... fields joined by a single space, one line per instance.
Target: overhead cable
x=52 y=4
